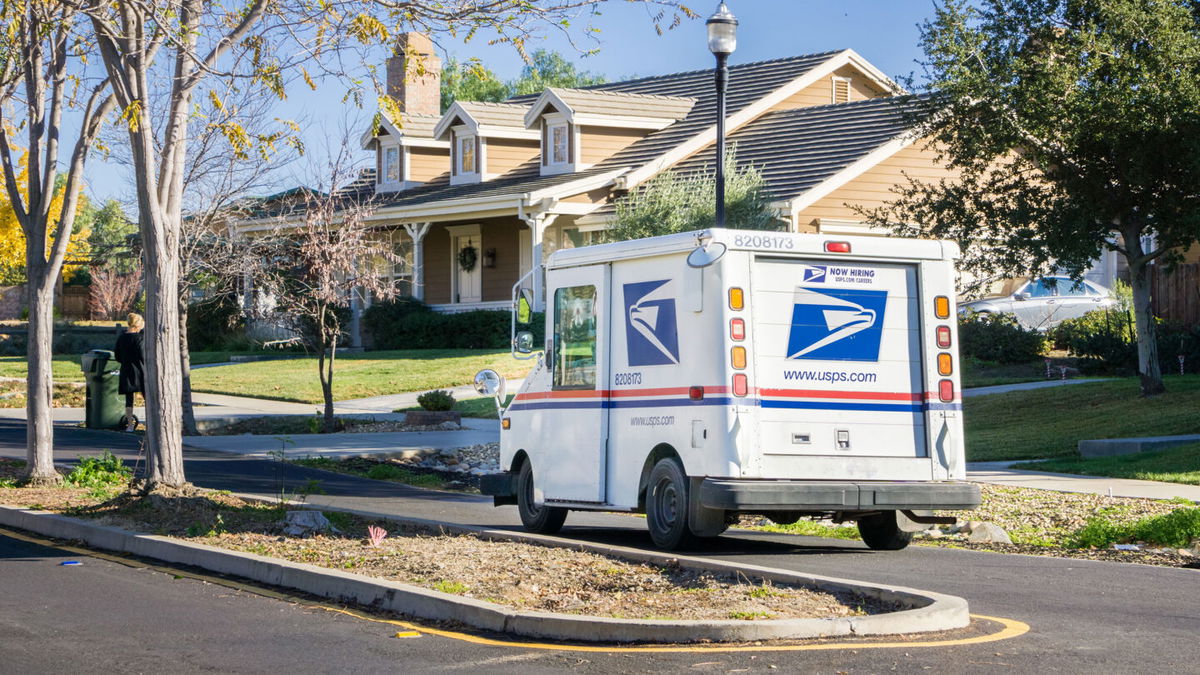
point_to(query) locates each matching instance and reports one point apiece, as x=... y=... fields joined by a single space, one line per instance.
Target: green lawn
x=357 y=375
x=1048 y=423
x=1174 y=465
x=65 y=367
x=977 y=374
x=484 y=406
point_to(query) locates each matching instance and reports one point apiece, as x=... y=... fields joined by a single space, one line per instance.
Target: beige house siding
x=496 y=282
x=504 y=154
x=599 y=143
x=873 y=188
x=427 y=164
x=437 y=265
x=821 y=91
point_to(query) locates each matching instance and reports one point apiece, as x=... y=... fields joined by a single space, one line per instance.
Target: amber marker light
x=738 y=356
x=945 y=365
x=737 y=299
x=941 y=307
x=505 y=423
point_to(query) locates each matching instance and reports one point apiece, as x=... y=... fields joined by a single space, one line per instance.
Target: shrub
x=408 y=324
x=214 y=324
x=386 y=472
x=436 y=400
x=1106 y=342
x=102 y=471
x=998 y=338
x=1177 y=528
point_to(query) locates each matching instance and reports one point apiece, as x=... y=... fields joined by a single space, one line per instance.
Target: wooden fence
x=1177 y=293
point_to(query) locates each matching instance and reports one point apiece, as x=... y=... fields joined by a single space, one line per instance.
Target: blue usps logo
x=651 y=330
x=815 y=274
x=836 y=324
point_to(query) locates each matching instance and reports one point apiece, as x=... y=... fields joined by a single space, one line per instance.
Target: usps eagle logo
x=836 y=324
x=651 y=329
x=815 y=274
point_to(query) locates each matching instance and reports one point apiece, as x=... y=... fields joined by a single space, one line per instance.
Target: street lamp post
x=722 y=40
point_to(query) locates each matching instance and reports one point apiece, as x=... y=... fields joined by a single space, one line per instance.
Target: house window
x=841 y=89
x=559 y=144
x=391 y=165
x=574 y=237
x=402 y=267
x=466 y=154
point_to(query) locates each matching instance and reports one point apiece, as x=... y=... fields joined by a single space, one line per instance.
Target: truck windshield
x=575 y=337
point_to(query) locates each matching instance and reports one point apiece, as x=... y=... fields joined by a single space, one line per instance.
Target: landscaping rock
x=301 y=523
x=988 y=533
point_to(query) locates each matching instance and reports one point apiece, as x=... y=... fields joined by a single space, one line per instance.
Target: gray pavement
x=999 y=473
x=1023 y=386
x=385 y=444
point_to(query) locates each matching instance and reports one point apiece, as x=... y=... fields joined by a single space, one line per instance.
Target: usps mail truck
x=700 y=376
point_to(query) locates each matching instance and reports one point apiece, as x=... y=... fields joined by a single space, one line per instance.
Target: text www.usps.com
x=827 y=376
x=653 y=421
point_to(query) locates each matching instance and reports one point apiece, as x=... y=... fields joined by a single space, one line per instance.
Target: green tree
x=113 y=236
x=472 y=81
x=671 y=202
x=1073 y=126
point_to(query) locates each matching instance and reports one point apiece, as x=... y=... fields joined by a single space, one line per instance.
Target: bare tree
x=315 y=264
x=40 y=79
x=112 y=291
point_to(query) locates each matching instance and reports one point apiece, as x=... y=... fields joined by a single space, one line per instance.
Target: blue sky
x=883 y=31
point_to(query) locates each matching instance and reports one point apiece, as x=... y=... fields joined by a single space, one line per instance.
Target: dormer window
x=391 y=165
x=560 y=139
x=466 y=154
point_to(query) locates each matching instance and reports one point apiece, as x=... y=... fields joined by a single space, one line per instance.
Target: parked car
x=1042 y=303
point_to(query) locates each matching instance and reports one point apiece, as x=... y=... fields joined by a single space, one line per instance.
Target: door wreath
x=467 y=257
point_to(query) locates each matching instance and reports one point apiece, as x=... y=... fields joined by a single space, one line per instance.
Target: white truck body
x=835 y=405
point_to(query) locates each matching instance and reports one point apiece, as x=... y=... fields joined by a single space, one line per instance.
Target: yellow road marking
x=1011 y=627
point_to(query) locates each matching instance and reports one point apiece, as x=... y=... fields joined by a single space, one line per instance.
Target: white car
x=1043 y=303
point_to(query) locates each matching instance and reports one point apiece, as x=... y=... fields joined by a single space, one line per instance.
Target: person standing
x=132 y=378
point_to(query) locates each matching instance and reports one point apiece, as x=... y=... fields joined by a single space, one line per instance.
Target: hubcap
x=668 y=503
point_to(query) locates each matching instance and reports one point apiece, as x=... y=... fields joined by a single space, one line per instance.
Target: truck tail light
x=738 y=356
x=945 y=365
x=943 y=337
x=740 y=385
x=837 y=247
x=737 y=299
x=737 y=329
x=696 y=393
x=946 y=390
x=941 y=307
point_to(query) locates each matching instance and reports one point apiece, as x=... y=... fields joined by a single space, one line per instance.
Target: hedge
x=407 y=323
x=998 y=338
x=1106 y=342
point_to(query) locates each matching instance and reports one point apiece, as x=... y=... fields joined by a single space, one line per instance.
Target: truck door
x=838 y=363
x=575 y=434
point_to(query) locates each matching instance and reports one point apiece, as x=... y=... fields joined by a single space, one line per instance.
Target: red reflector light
x=737 y=329
x=946 y=390
x=943 y=337
x=837 y=247
x=740 y=386
x=695 y=393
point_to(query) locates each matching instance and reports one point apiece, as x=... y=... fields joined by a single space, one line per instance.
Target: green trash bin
x=105 y=407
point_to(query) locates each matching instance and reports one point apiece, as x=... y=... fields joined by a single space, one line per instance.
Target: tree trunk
x=1149 y=369
x=185 y=364
x=164 y=404
x=326 y=368
x=39 y=427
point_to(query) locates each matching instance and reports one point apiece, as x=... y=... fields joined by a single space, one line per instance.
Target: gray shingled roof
x=625 y=104
x=496 y=114
x=798 y=149
x=417 y=126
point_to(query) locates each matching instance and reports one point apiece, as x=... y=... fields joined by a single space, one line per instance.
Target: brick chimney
x=414 y=75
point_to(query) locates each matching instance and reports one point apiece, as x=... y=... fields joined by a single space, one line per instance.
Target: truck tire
x=881 y=532
x=539 y=519
x=667 y=506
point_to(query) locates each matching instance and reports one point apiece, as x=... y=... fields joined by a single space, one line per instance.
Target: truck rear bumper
x=796 y=495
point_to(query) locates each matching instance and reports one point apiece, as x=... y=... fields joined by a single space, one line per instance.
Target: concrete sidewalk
x=999 y=473
x=1024 y=386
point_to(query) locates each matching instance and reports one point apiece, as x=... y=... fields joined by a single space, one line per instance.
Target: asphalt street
x=1083 y=616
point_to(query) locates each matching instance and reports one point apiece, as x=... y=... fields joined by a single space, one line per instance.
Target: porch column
x=538 y=222
x=418 y=231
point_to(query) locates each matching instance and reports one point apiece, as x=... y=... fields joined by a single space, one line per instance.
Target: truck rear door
x=837 y=354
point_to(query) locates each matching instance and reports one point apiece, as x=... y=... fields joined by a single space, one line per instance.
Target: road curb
x=926 y=611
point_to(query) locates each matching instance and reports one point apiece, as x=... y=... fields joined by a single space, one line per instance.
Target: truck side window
x=575 y=337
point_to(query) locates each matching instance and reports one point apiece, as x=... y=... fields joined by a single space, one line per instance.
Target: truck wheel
x=881 y=532
x=667 y=506
x=539 y=519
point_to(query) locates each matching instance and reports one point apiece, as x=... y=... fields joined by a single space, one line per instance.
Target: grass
x=65 y=367
x=1174 y=465
x=982 y=374
x=374 y=469
x=357 y=375
x=1049 y=423
x=484 y=406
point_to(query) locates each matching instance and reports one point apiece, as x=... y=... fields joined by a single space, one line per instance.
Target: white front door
x=468 y=286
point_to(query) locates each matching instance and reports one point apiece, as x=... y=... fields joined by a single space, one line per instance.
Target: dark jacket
x=129 y=353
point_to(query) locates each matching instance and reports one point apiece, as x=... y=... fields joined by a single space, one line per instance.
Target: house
x=473 y=197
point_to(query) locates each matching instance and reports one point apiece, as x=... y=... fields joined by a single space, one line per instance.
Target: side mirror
x=490 y=383
x=525 y=309
x=524 y=342
x=1024 y=295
